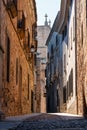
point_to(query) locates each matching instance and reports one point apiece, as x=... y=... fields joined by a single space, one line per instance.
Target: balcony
x=12 y=7
x=21 y=24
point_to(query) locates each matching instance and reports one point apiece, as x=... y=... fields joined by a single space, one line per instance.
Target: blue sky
x=50 y=7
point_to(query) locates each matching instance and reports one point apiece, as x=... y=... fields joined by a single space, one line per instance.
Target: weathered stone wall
x=16 y=96
x=81 y=55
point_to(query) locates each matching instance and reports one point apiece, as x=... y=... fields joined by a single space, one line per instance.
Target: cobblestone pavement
x=53 y=122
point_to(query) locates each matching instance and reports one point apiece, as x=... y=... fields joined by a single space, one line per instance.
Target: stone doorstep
x=2 y=116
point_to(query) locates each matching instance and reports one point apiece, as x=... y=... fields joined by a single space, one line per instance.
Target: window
x=73 y=28
x=15 y=2
x=64 y=63
x=28 y=39
x=64 y=94
x=8 y=58
x=71 y=38
x=67 y=91
x=69 y=46
x=71 y=83
x=86 y=11
x=58 y=103
x=64 y=33
x=71 y=1
x=20 y=86
x=82 y=33
x=52 y=49
x=68 y=15
x=56 y=40
x=16 y=71
x=34 y=31
x=48 y=56
x=32 y=94
x=28 y=87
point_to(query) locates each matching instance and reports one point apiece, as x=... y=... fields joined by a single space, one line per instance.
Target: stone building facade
x=81 y=56
x=54 y=69
x=71 y=24
x=17 y=38
x=52 y=73
x=42 y=34
x=69 y=58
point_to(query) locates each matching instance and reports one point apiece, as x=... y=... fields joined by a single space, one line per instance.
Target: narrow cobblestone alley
x=43 y=65
x=53 y=122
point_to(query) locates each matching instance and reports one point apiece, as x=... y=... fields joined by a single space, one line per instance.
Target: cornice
x=63 y=14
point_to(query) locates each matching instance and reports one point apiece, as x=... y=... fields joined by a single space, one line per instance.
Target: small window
x=28 y=87
x=15 y=2
x=64 y=94
x=71 y=83
x=48 y=56
x=73 y=28
x=71 y=39
x=86 y=11
x=56 y=40
x=71 y=1
x=64 y=63
x=32 y=104
x=69 y=46
x=16 y=71
x=65 y=30
x=28 y=39
x=82 y=33
x=8 y=58
x=52 y=49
